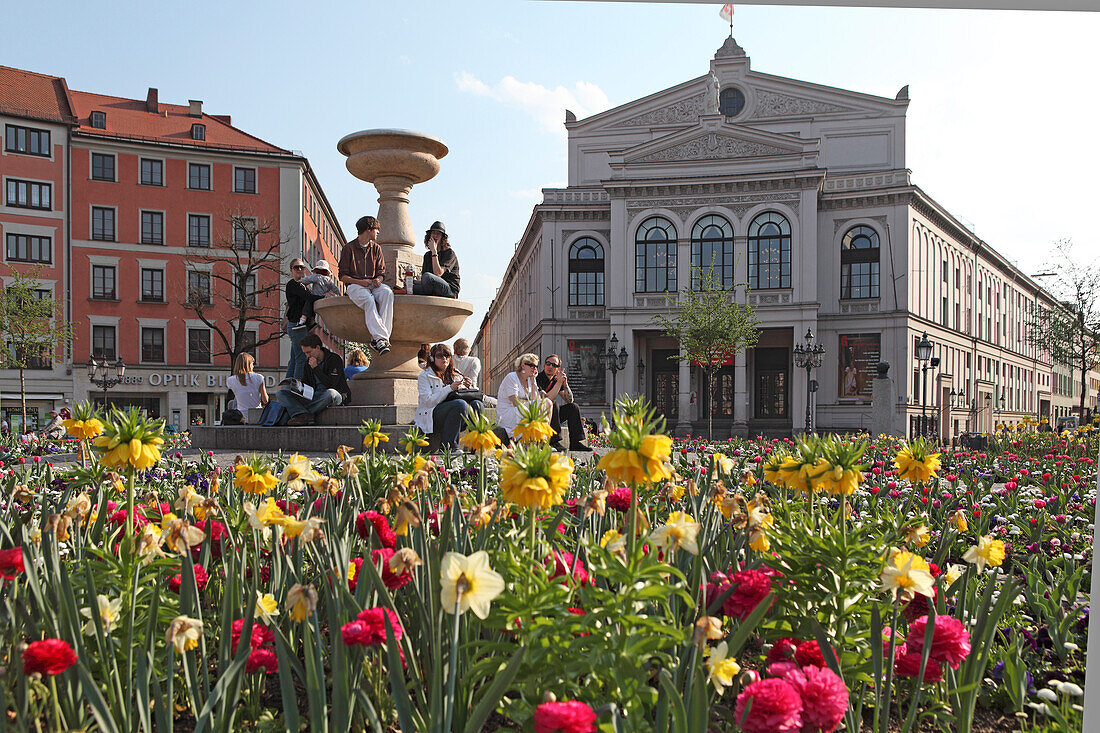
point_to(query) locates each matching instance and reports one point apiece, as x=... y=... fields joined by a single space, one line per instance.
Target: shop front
x=183 y=396
x=39 y=405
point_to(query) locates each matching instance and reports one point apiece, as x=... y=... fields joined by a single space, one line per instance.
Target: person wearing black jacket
x=555 y=385
x=299 y=303
x=325 y=373
x=439 y=275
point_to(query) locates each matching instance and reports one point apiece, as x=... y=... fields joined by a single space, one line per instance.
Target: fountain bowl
x=381 y=153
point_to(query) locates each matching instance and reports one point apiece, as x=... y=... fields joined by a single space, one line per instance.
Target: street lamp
x=924 y=356
x=614 y=359
x=1002 y=403
x=99 y=374
x=809 y=356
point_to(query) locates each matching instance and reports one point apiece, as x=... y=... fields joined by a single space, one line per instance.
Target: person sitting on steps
x=438 y=411
x=357 y=362
x=299 y=316
x=319 y=283
x=362 y=268
x=439 y=275
x=325 y=373
x=517 y=386
x=555 y=385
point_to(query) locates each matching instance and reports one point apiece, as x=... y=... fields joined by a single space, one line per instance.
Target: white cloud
x=547 y=106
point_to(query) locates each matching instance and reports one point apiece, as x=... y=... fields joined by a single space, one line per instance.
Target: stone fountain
x=394 y=161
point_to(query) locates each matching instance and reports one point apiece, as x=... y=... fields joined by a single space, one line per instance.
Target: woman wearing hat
x=439 y=276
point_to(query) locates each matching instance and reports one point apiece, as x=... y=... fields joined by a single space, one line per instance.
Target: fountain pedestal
x=394 y=161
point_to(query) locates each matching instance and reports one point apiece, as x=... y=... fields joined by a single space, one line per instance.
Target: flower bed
x=746 y=585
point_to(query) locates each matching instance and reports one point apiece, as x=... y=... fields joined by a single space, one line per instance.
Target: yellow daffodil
x=149 y=542
x=953 y=573
x=709 y=627
x=916 y=463
x=614 y=541
x=180 y=535
x=267 y=608
x=184 y=633
x=988 y=551
x=108 y=611
x=722 y=669
x=267 y=514
x=469 y=583
x=918 y=536
x=535 y=477
x=722 y=464
x=298 y=473
x=302 y=602
x=188 y=498
x=680 y=531
x=907 y=574
x=79 y=507
x=404 y=560
x=958 y=520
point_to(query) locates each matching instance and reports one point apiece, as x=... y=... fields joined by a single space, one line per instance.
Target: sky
x=999 y=129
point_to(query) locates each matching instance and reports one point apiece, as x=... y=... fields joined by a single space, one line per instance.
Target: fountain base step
x=304 y=439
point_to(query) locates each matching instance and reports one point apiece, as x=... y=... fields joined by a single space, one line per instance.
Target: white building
x=802 y=191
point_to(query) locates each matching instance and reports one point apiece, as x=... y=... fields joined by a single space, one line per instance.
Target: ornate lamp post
x=614 y=359
x=924 y=356
x=99 y=374
x=808 y=357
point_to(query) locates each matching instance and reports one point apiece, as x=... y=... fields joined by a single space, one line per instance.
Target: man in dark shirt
x=439 y=276
x=555 y=385
x=362 y=268
x=325 y=373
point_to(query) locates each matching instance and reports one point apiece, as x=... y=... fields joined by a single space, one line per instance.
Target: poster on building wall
x=859 y=356
x=587 y=377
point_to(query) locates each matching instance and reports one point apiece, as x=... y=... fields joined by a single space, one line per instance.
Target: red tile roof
x=37 y=96
x=130 y=118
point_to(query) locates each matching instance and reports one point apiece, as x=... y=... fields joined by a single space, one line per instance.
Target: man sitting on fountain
x=322 y=384
x=362 y=268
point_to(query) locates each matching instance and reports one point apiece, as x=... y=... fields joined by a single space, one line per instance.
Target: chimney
x=196 y=107
x=151 y=104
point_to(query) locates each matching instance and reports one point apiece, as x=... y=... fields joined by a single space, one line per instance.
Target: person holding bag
x=437 y=409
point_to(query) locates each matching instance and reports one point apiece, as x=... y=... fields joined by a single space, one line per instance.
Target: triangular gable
x=715 y=140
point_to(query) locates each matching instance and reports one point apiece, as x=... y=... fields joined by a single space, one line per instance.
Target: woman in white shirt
x=434 y=411
x=519 y=386
x=248 y=387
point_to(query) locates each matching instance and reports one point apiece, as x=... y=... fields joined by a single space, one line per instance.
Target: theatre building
x=800 y=192
x=140 y=207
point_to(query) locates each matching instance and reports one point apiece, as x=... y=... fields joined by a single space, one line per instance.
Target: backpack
x=232 y=417
x=274 y=414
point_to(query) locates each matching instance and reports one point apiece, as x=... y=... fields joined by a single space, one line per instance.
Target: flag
x=727 y=12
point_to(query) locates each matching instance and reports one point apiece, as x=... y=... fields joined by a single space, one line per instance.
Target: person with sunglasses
x=555 y=385
x=299 y=306
x=518 y=386
x=437 y=410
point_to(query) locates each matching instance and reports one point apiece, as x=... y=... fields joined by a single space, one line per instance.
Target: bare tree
x=32 y=326
x=1070 y=332
x=710 y=325
x=247 y=268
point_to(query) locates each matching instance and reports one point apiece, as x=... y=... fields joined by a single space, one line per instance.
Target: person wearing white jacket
x=434 y=411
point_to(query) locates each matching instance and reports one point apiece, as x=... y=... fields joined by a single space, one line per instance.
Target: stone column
x=683 y=419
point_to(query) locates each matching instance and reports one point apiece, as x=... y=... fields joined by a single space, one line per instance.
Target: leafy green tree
x=709 y=324
x=1070 y=334
x=33 y=325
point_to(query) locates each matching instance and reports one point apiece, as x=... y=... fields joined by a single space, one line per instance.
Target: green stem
x=449 y=704
x=57 y=717
x=531 y=537
x=130 y=504
x=632 y=524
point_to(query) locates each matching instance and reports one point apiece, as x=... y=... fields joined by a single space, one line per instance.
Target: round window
x=731 y=101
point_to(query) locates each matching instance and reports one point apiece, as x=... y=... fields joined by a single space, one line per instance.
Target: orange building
x=142 y=206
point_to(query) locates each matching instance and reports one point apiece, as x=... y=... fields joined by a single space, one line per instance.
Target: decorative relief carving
x=713 y=146
x=772 y=104
x=740 y=204
x=838 y=223
x=682 y=112
x=576 y=314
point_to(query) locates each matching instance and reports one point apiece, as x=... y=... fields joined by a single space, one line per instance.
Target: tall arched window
x=655 y=256
x=769 y=251
x=859 y=255
x=712 y=249
x=586 y=272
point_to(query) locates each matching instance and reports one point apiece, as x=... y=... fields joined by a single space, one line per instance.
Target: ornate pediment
x=684 y=111
x=712 y=146
x=772 y=104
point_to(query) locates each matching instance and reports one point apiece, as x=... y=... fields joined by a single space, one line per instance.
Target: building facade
x=131 y=211
x=798 y=198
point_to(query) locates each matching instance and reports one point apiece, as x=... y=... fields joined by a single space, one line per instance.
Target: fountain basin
x=379 y=153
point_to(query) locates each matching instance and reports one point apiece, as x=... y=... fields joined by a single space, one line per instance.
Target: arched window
x=655 y=256
x=712 y=249
x=859 y=263
x=586 y=272
x=769 y=251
